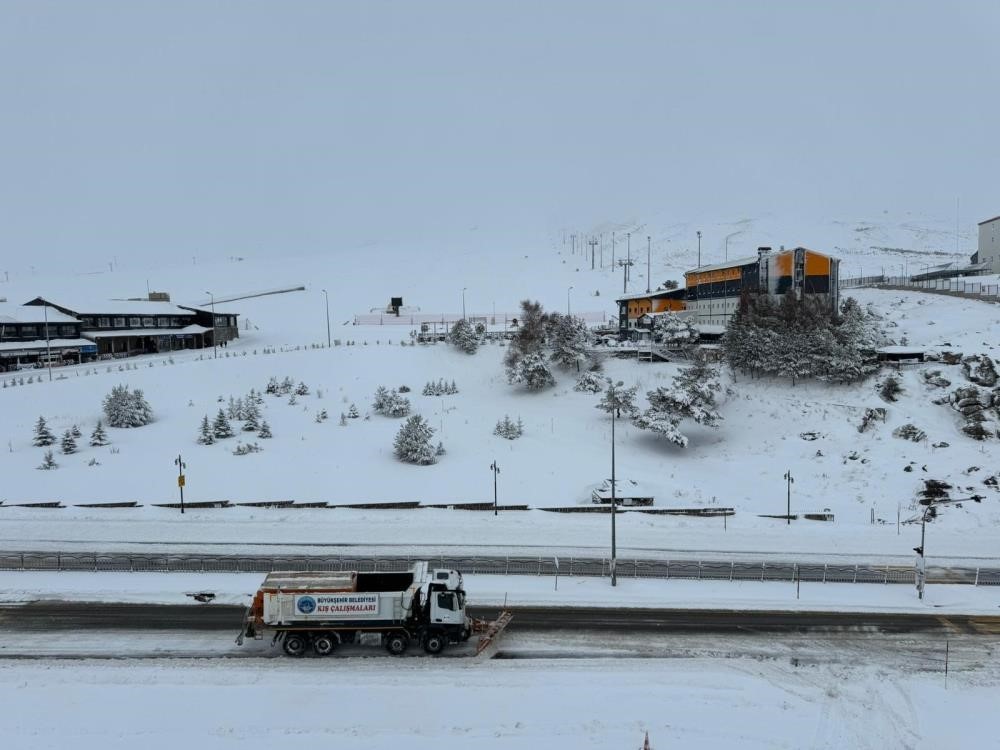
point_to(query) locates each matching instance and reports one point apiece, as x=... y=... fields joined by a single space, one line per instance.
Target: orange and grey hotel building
x=712 y=293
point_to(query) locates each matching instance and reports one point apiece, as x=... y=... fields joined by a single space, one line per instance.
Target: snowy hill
x=565 y=448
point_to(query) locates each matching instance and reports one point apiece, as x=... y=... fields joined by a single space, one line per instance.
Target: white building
x=989 y=244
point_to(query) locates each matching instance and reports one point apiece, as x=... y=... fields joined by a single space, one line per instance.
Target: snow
x=436 y=705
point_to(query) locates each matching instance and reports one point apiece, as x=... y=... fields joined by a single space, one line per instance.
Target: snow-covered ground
x=563 y=454
x=602 y=703
x=484 y=590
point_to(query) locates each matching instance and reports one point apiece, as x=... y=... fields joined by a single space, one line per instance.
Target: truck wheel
x=324 y=644
x=295 y=645
x=434 y=643
x=397 y=643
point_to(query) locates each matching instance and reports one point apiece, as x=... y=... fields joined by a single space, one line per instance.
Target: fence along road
x=537 y=566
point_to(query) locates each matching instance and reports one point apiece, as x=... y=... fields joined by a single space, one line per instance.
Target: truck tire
x=324 y=644
x=397 y=643
x=295 y=644
x=434 y=643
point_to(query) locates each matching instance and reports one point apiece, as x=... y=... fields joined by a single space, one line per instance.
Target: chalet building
x=713 y=292
x=32 y=336
x=632 y=308
x=122 y=328
x=988 y=251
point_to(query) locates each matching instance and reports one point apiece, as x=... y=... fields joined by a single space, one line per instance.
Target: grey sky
x=143 y=128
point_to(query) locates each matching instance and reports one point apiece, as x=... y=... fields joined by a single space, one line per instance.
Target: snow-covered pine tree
x=292 y=400
x=397 y=406
x=381 y=399
x=205 y=434
x=589 y=382
x=464 y=337
x=428 y=389
x=68 y=444
x=99 y=437
x=75 y=432
x=265 y=430
x=569 y=339
x=452 y=388
x=413 y=442
x=440 y=451
x=48 y=461
x=352 y=413
x=532 y=372
x=125 y=408
x=691 y=396
x=507 y=429
x=343 y=419
x=221 y=428
x=890 y=389
x=251 y=416
x=43 y=435
x=302 y=389
x=618 y=398
x=273 y=387
x=231 y=411
x=674 y=332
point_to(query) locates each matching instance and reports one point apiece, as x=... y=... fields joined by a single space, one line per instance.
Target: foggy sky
x=146 y=129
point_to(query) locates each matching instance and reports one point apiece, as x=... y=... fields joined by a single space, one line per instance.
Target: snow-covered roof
x=710 y=329
x=656 y=294
x=623 y=488
x=116 y=306
x=145 y=332
x=208 y=309
x=17 y=346
x=728 y=264
x=33 y=314
x=901 y=350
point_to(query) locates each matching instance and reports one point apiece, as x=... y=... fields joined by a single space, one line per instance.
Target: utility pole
x=602 y=251
x=215 y=344
x=327 y=296
x=699 y=248
x=567 y=300
x=496 y=470
x=788 y=512
x=463 y=298
x=180 y=478
x=628 y=251
x=612 y=249
x=593 y=245
x=649 y=241
x=573 y=246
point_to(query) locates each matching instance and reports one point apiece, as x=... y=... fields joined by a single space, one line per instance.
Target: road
x=81 y=616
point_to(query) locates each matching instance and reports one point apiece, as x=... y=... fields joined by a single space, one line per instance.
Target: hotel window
x=119 y=322
x=134 y=322
x=163 y=322
x=103 y=322
x=67 y=331
x=147 y=322
x=29 y=331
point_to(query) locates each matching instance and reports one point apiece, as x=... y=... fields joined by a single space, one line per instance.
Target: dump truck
x=311 y=612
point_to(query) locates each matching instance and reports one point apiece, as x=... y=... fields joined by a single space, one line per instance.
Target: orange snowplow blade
x=489 y=641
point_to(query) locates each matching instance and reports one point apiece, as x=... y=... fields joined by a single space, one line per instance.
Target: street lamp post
x=699 y=248
x=614 y=501
x=628 y=254
x=496 y=470
x=463 y=302
x=789 y=480
x=649 y=244
x=215 y=343
x=567 y=300
x=327 y=296
x=48 y=344
x=921 y=565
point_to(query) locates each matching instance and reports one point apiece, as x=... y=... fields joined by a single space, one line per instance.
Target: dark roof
x=989 y=221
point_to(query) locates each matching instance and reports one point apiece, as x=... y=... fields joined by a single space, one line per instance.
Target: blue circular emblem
x=306 y=605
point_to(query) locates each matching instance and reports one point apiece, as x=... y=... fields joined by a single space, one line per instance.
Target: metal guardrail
x=539 y=566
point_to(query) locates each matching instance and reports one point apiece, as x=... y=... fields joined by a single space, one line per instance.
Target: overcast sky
x=143 y=129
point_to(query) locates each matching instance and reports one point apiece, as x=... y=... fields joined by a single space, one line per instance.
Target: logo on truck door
x=306 y=605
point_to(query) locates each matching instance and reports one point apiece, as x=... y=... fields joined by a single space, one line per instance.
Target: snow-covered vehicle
x=317 y=611
x=627 y=492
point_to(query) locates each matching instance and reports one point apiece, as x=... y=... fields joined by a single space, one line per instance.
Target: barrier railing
x=716 y=570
